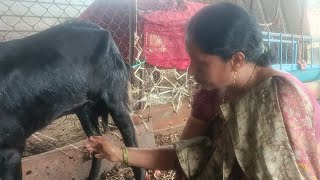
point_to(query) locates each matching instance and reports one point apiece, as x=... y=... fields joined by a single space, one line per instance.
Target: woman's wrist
x=125 y=158
x=118 y=155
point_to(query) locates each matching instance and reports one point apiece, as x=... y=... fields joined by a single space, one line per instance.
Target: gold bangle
x=125 y=156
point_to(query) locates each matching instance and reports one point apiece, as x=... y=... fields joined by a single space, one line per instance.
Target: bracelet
x=125 y=156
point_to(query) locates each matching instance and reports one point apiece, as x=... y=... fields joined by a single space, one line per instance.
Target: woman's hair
x=224 y=29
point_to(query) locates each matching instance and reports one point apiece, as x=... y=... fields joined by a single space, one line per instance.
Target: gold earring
x=234 y=77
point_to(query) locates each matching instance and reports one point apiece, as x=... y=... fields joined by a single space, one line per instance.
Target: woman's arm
x=195 y=127
x=205 y=106
x=161 y=158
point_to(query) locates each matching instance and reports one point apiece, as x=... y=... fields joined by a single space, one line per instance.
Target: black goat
x=71 y=68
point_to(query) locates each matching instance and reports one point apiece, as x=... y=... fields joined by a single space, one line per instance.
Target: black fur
x=71 y=68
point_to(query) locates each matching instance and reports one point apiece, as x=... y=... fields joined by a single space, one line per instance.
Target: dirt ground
x=67 y=130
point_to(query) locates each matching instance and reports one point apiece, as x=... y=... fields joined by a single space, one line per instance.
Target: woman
x=248 y=120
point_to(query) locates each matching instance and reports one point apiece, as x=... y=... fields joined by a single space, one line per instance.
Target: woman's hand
x=102 y=148
x=161 y=158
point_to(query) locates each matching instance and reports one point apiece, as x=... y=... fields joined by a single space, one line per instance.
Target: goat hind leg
x=123 y=121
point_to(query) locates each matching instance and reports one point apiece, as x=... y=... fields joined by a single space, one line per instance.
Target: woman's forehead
x=192 y=48
x=197 y=55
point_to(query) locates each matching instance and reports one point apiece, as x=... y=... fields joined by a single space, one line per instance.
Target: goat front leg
x=10 y=164
x=89 y=119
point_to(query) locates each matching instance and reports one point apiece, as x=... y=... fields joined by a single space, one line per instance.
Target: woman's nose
x=190 y=70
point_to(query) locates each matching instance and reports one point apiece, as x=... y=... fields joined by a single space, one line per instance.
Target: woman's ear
x=237 y=61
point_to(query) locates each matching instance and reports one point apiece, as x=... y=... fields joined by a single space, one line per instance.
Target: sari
x=271 y=132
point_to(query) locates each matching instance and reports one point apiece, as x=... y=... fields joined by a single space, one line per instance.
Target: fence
x=20 y=18
x=288 y=47
x=149 y=34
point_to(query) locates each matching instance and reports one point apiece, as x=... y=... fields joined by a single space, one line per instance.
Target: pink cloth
x=164 y=32
x=303 y=131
